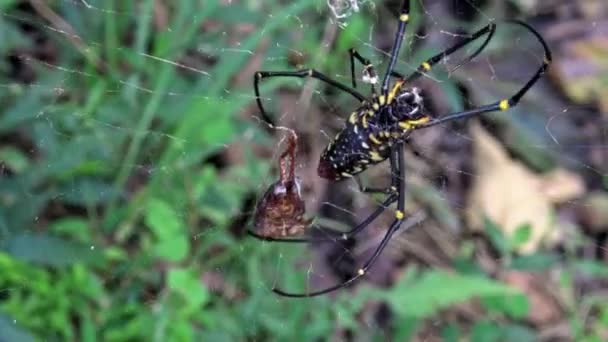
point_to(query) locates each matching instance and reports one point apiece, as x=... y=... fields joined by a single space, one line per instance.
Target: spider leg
x=504 y=104
x=392 y=189
x=394 y=227
x=403 y=19
x=299 y=74
x=426 y=66
x=331 y=234
x=368 y=68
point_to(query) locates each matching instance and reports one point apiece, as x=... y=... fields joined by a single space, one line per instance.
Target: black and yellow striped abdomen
x=365 y=140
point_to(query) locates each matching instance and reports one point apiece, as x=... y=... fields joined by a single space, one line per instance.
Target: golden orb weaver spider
x=374 y=132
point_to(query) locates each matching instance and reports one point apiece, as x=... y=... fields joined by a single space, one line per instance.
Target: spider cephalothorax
x=374 y=132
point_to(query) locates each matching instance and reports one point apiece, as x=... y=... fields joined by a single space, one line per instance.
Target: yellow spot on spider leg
x=504 y=105
x=364 y=121
x=404 y=18
x=353 y=118
x=399 y=215
x=374 y=139
x=408 y=124
x=375 y=156
x=393 y=92
x=405 y=125
x=426 y=66
x=382 y=100
x=375 y=106
x=420 y=121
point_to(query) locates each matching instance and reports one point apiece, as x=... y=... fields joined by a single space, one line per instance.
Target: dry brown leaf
x=582 y=66
x=561 y=185
x=511 y=195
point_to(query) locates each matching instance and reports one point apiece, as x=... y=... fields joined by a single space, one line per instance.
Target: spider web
x=187 y=134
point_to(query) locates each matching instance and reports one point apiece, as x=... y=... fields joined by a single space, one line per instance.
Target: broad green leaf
x=172 y=242
x=49 y=250
x=521 y=235
x=162 y=219
x=592 y=268
x=499 y=241
x=435 y=290
x=534 y=262
x=76 y=227
x=188 y=284
x=450 y=333
x=485 y=331
x=173 y=248
x=520 y=333
x=14 y=159
x=87 y=191
x=514 y=305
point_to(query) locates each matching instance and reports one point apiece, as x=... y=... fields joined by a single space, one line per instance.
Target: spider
x=376 y=131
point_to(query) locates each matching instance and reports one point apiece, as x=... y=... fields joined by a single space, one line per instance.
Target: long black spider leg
x=426 y=66
x=399 y=218
x=403 y=19
x=504 y=104
x=300 y=74
x=368 y=68
x=392 y=189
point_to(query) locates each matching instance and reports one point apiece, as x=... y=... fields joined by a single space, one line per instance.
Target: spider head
x=408 y=104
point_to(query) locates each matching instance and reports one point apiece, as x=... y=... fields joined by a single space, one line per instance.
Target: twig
x=64 y=27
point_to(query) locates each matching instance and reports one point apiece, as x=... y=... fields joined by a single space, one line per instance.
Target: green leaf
x=14 y=159
x=49 y=250
x=499 y=241
x=592 y=268
x=436 y=290
x=174 y=248
x=172 y=241
x=450 y=333
x=534 y=262
x=88 y=191
x=521 y=235
x=75 y=227
x=162 y=219
x=519 y=333
x=187 y=283
x=514 y=305
x=485 y=331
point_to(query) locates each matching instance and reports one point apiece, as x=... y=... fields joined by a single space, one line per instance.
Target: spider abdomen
x=365 y=140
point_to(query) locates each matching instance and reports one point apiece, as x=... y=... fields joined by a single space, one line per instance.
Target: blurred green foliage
x=110 y=218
